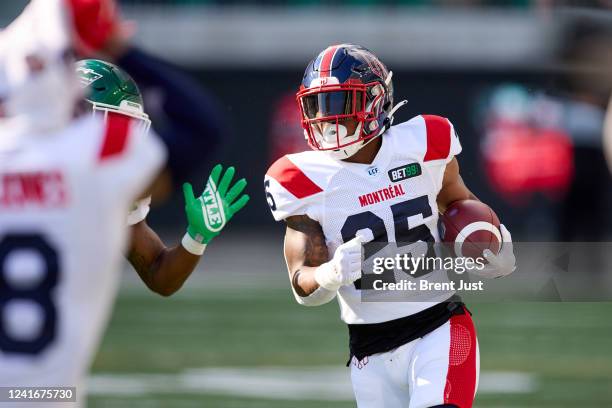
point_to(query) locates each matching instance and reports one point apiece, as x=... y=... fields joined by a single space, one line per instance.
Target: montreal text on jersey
x=384 y=194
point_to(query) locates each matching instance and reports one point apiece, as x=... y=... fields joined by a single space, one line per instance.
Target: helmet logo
x=322 y=81
x=373 y=63
x=87 y=76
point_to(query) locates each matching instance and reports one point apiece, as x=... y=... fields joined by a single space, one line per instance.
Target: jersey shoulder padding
x=295 y=181
x=429 y=137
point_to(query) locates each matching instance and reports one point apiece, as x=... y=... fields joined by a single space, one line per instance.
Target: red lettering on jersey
x=438 y=137
x=292 y=178
x=45 y=189
x=384 y=194
x=115 y=138
x=376 y=197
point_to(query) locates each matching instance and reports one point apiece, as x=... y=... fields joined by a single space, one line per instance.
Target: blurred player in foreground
x=67 y=181
x=110 y=91
x=403 y=354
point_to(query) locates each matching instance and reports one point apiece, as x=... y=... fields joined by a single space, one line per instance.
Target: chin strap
x=389 y=120
x=392 y=112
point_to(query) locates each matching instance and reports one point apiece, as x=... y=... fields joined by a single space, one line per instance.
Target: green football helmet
x=110 y=89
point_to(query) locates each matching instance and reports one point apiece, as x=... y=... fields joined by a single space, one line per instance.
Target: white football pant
x=440 y=368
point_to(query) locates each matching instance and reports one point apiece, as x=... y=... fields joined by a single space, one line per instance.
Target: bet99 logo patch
x=404 y=172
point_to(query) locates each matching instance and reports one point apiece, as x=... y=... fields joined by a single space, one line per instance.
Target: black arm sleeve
x=184 y=115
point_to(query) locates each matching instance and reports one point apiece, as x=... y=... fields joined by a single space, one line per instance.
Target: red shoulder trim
x=438 y=137
x=116 y=135
x=292 y=178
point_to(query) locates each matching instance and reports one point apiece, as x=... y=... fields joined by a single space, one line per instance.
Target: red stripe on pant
x=461 y=378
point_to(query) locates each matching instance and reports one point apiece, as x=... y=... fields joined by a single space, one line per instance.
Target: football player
x=110 y=90
x=403 y=354
x=63 y=197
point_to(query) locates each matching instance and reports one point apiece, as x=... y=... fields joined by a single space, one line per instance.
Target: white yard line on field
x=286 y=383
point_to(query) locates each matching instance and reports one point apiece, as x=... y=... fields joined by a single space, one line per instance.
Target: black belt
x=373 y=338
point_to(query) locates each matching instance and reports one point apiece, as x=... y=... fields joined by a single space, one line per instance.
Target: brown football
x=469 y=227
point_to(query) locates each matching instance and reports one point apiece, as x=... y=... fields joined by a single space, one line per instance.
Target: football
x=469 y=227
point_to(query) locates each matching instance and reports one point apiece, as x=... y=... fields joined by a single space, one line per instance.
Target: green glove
x=209 y=213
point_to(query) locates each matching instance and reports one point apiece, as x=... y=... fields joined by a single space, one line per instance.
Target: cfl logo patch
x=372 y=171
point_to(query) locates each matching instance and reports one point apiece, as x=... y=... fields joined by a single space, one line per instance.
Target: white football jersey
x=64 y=198
x=394 y=197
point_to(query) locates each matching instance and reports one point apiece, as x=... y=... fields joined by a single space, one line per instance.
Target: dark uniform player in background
x=111 y=91
x=184 y=114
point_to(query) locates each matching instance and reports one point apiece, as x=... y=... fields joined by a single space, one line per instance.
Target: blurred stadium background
x=525 y=82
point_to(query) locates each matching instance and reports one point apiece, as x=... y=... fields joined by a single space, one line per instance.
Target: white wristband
x=192 y=246
x=317 y=298
x=324 y=275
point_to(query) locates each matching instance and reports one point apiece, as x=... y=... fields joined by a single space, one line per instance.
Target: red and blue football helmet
x=346 y=86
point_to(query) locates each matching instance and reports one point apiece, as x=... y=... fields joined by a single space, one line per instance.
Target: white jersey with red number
x=396 y=205
x=64 y=198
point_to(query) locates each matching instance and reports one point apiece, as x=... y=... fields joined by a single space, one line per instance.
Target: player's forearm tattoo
x=315 y=249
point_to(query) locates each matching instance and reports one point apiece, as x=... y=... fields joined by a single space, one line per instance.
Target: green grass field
x=564 y=348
